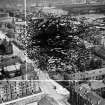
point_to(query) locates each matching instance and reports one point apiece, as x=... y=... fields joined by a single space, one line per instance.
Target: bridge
x=83 y=8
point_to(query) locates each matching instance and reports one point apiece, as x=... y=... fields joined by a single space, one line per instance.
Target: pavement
x=51 y=88
x=48 y=88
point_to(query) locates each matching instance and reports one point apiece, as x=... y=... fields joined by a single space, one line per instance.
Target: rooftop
x=89 y=95
x=97 y=85
x=10 y=61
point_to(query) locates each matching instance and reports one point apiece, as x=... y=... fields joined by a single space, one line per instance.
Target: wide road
x=51 y=88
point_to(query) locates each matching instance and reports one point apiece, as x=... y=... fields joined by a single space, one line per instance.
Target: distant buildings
x=5 y=19
x=20 y=30
x=86 y=1
x=12 y=25
x=78 y=1
x=19 y=26
x=54 y=11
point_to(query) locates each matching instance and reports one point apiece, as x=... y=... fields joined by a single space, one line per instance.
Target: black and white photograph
x=52 y=52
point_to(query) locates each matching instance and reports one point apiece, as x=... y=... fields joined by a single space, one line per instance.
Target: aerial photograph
x=52 y=52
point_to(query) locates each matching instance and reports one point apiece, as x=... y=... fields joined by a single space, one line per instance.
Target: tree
x=52 y=38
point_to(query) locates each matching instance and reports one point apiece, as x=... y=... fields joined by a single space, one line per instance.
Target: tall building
x=19 y=92
x=82 y=94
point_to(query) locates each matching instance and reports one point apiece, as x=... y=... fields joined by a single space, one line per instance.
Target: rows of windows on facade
x=11 y=90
